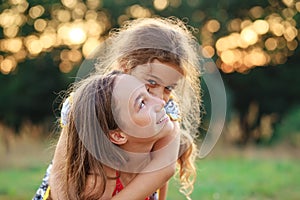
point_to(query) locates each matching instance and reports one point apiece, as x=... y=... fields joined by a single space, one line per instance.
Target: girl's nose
x=159 y=103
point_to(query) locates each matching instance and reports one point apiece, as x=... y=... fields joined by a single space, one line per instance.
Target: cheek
x=143 y=118
x=166 y=97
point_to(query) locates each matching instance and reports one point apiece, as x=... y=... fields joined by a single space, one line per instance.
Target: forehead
x=125 y=86
x=167 y=74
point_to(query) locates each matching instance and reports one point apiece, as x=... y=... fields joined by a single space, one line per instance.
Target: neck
x=138 y=146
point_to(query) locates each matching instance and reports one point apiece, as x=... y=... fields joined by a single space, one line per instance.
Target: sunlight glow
x=77 y=35
x=249 y=36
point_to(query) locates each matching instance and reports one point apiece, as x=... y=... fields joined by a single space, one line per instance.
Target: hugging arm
x=157 y=173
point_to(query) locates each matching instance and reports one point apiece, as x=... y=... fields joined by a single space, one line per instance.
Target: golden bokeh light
x=249 y=36
x=40 y=25
x=93 y=4
x=36 y=11
x=138 y=11
x=289 y=13
x=65 y=66
x=91 y=14
x=213 y=26
x=13 y=44
x=246 y=23
x=208 y=51
x=33 y=45
x=76 y=35
x=95 y=28
x=122 y=19
x=74 y=55
x=290 y=33
x=256 y=12
x=234 y=25
x=64 y=55
x=258 y=37
x=292 y=45
x=79 y=11
x=175 y=3
x=271 y=44
x=11 y=31
x=63 y=15
x=160 y=4
x=69 y=3
x=8 y=64
x=20 y=55
x=230 y=57
x=16 y=2
x=7 y=18
x=22 y=6
x=297 y=5
x=261 y=27
x=222 y=44
x=288 y=3
x=48 y=40
x=89 y=46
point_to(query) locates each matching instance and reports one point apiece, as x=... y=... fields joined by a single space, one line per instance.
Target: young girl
x=152 y=50
x=94 y=141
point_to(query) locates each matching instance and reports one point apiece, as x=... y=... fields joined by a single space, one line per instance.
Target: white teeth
x=163 y=118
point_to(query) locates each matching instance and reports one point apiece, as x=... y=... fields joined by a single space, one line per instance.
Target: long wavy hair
x=87 y=143
x=170 y=41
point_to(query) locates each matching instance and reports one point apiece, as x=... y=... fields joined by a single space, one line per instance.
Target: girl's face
x=160 y=78
x=137 y=112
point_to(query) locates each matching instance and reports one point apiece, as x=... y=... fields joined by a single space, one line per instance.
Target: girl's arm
x=56 y=176
x=163 y=191
x=156 y=174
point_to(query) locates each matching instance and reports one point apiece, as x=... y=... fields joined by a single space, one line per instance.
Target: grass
x=219 y=178
x=244 y=178
x=233 y=174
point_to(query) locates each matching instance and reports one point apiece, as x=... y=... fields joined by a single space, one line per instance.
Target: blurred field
x=227 y=173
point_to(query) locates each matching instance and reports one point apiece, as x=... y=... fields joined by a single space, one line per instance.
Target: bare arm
x=56 y=175
x=163 y=191
x=160 y=169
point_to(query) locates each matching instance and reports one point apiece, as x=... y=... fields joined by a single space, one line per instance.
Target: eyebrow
x=161 y=81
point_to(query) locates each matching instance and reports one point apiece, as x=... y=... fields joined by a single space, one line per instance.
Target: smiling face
x=160 y=78
x=137 y=112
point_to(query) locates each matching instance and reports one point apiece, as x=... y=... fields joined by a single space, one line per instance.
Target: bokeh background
x=255 y=45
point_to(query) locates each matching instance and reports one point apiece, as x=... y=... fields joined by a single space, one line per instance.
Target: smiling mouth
x=165 y=117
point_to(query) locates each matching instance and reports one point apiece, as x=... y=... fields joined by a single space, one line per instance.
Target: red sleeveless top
x=119 y=187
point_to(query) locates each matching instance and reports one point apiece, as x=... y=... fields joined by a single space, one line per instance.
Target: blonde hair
x=170 y=41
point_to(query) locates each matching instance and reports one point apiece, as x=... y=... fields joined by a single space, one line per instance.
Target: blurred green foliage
x=289 y=128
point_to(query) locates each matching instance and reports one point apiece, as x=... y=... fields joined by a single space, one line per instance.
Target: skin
x=142 y=108
x=144 y=113
x=160 y=79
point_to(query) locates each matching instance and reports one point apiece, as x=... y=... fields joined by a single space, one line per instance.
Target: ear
x=117 y=137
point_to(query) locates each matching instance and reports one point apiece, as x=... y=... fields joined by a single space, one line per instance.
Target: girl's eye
x=169 y=88
x=152 y=82
x=142 y=104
